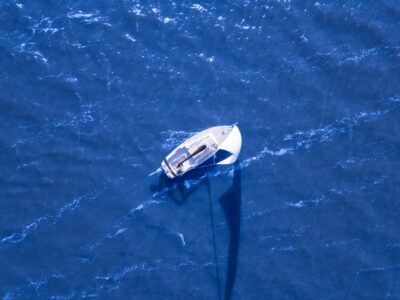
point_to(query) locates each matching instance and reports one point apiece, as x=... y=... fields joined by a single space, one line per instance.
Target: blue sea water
x=93 y=95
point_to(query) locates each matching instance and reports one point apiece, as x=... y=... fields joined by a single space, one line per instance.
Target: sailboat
x=220 y=143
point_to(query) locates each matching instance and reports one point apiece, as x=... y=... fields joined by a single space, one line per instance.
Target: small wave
x=39 y=56
x=121 y=226
x=88 y=18
x=76 y=120
x=137 y=10
x=36 y=284
x=18 y=237
x=198 y=7
x=364 y=53
x=207 y=59
x=296 y=204
x=330 y=195
x=297 y=233
x=112 y=282
x=349 y=162
x=144 y=205
x=173 y=138
x=129 y=37
x=80 y=15
x=245 y=27
x=167 y=20
x=70 y=207
x=394 y=99
x=304 y=203
x=180 y=236
x=284 y=249
x=305 y=139
x=280 y=152
x=287 y=205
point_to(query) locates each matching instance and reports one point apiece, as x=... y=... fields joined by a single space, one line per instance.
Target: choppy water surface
x=94 y=94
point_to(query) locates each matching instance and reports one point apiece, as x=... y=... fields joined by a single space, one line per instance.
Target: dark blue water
x=93 y=95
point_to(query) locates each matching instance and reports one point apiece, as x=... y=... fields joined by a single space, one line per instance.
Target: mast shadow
x=231 y=202
x=179 y=189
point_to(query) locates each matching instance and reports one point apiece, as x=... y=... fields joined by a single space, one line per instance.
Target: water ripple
x=69 y=208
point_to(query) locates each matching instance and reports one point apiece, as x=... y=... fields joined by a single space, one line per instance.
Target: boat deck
x=194 y=151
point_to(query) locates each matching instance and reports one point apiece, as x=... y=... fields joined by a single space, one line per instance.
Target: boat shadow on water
x=180 y=189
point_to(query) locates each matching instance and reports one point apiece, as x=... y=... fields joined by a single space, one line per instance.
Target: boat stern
x=167 y=169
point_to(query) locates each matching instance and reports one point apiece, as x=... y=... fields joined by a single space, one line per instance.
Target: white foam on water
x=78 y=45
x=38 y=283
x=340 y=243
x=207 y=59
x=305 y=139
x=18 y=237
x=162 y=192
x=198 y=7
x=278 y=237
x=173 y=138
x=323 y=199
x=113 y=281
x=280 y=152
x=120 y=231
x=80 y=15
x=71 y=79
x=129 y=37
x=296 y=204
x=304 y=203
x=394 y=99
x=284 y=249
x=88 y=18
x=51 y=30
x=180 y=236
x=76 y=120
x=159 y=170
x=144 y=205
x=40 y=56
x=364 y=53
x=167 y=20
x=137 y=10
x=121 y=226
x=70 y=207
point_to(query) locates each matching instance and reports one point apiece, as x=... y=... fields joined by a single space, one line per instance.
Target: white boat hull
x=202 y=146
